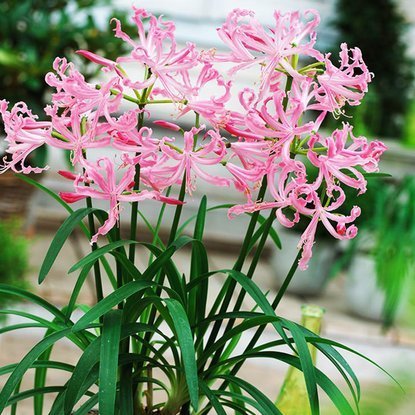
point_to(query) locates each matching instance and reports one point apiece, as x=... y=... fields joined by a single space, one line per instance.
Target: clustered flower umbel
x=277 y=119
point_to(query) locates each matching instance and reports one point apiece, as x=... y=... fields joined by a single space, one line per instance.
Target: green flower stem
x=196 y=136
x=249 y=274
x=118 y=266
x=230 y=283
x=166 y=101
x=140 y=101
x=158 y=225
x=125 y=96
x=178 y=212
x=245 y=247
x=172 y=237
x=91 y=224
x=126 y=388
x=274 y=305
x=261 y=329
x=134 y=205
x=94 y=247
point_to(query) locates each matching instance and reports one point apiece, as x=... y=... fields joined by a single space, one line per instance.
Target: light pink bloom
x=306 y=200
x=24 y=134
x=235 y=124
x=78 y=135
x=105 y=186
x=347 y=84
x=156 y=48
x=141 y=144
x=72 y=90
x=294 y=193
x=211 y=108
x=99 y=60
x=176 y=162
x=250 y=43
x=280 y=123
x=340 y=160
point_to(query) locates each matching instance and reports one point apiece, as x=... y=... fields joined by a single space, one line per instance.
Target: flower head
x=24 y=134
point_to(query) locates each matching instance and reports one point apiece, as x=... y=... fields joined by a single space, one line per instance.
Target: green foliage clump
x=27 y=26
x=378 y=28
x=13 y=258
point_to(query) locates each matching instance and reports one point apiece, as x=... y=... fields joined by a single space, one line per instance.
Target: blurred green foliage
x=386 y=399
x=13 y=257
x=378 y=28
x=34 y=32
x=387 y=233
x=408 y=135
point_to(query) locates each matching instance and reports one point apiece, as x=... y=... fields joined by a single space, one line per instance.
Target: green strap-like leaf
x=108 y=364
x=89 y=380
x=333 y=392
x=272 y=233
x=185 y=339
x=33 y=298
x=86 y=364
x=192 y=218
x=216 y=405
x=87 y=406
x=34 y=392
x=267 y=406
x=109 y=302
x=50 y=364
x=26 y=363
x=94 y=255
x=302 y=349
x=49 y=192
x=83 y=275
x=174 y=277
x=307 y=365
x=60 y=238
x=198 y=266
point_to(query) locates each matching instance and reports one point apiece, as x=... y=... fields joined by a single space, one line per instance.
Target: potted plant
x=382 y=259
x=156 y=329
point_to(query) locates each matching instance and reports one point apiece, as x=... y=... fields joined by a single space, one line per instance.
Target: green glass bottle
x=293 y=398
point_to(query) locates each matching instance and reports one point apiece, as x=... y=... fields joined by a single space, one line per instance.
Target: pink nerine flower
x=105 y=186
x=345 y=84
x=24 y=135
x=77 y=132
x=176 y=162
x=339 y=161
x=212 y=108
x=157 y=49
x=307 y=202
x=272 y=48
x=291 y=191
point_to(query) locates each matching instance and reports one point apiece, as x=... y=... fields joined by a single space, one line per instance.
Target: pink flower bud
x=167 y=125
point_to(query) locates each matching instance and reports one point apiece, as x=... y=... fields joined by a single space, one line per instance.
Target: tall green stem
x=230 y=283
x=261 y=329
x=127 y=392
x=97 y=269
x=134 y=205
x=249 y=274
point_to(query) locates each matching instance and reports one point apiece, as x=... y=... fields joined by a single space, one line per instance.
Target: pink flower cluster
x=272 y=132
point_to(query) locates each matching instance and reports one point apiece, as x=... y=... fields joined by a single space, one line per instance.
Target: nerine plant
x=155 y=330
